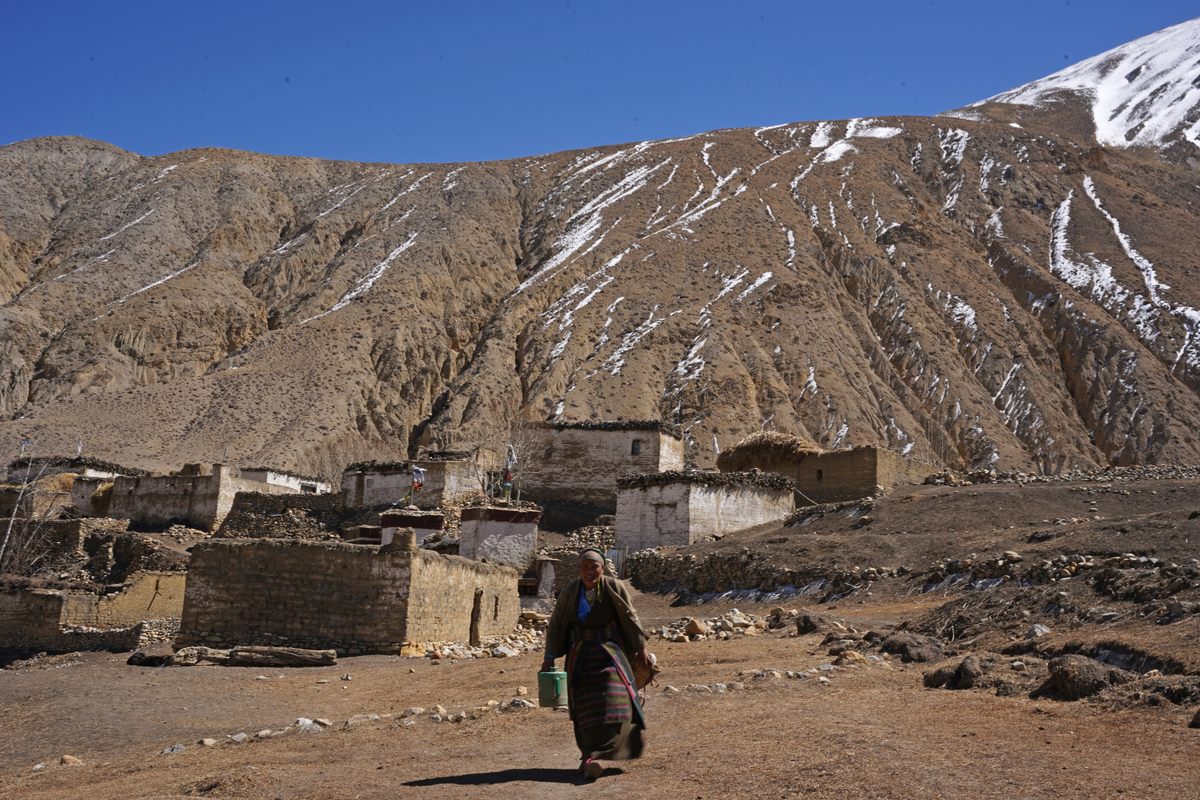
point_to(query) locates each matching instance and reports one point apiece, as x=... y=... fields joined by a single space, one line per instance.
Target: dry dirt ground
x=872 y=732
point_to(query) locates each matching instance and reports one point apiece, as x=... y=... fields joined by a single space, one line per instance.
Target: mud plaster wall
x=653 y=516
x=50 y=620
x=422 y=524
x=200 y=501
x=146 y=595
x=285 y=479
x=443 y=593
x=582 y=466
x=678 y=514
x=355 y=599
x=840 y=474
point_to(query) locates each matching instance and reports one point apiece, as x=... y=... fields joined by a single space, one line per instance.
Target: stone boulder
x=155 y=655
x=1073 y=677
x=965 y=675
x=912 y=647
x=808 y=622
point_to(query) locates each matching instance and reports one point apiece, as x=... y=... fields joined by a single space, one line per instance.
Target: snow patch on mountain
x=1141 y=92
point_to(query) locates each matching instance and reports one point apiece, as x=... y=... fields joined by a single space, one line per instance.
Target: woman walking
x=595 y=627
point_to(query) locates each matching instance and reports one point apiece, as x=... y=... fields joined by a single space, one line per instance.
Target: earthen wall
x=60 y=621
x=352 y=598
x=442 y=599
x=444 y=480
x=720 y=510
x=200 y=501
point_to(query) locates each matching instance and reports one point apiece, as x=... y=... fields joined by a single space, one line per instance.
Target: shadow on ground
x=510 y=776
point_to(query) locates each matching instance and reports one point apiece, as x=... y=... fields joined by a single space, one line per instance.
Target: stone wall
x=57 y=620
x=499 y=535
x=572 y=466
x=254 y=514
x=681 y=513
x=352 y=598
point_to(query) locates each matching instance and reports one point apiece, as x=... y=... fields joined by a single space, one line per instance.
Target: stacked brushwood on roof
x=446 y=455
x=766 y=447
x=377 y=466
x=618 y=425
x=281 y=471
x=762 y=480
x=38 y=464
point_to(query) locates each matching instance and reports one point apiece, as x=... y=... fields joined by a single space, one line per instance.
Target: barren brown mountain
x=1007 y=285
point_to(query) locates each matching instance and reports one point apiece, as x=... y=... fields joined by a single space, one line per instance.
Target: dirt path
x=873 y=732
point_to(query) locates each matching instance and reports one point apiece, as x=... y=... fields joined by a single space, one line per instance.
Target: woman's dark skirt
x=604 y=705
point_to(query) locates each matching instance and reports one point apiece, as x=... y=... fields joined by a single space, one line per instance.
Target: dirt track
x=874 y=732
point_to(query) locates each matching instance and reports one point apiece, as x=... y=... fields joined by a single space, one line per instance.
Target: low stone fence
x=658 y=571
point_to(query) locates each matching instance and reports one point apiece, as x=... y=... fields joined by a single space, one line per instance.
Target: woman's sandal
x=591 y=768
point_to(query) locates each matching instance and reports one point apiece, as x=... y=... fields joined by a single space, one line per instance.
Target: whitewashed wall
x=510 y=543
x=677 y=514
x=652 y=517
x=721 y=510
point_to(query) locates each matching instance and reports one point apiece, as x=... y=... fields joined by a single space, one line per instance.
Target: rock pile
x=1073 y=677
x=601 y=537
x=522 y=640
x=1010 y=565
x=732 y=623
x=1143 y=472
x=744 y=570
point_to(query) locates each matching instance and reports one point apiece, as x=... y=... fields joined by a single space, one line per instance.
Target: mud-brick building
x=197 y=497
x=824 y=476
x=681 y=508
x=571 y=468
x=352 y=598
x=449 y=476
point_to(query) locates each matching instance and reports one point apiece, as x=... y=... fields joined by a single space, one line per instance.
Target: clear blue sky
x=466 y=81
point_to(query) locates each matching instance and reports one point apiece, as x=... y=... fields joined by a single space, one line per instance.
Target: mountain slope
x=971 y=291
x=1146 y=92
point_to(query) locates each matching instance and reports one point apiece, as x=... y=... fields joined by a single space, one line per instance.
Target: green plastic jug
x=552 y=689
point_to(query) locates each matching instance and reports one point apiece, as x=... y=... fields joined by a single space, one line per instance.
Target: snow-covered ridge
x=1141 y=92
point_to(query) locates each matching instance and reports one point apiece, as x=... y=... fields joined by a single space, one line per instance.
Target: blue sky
x=469 y=81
